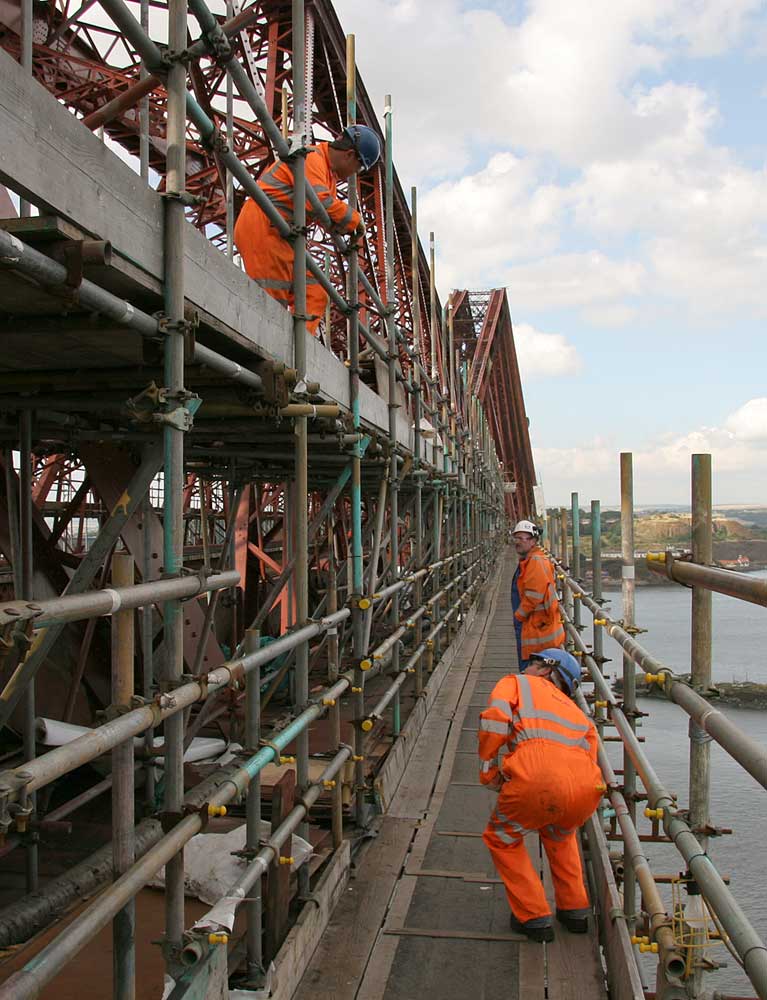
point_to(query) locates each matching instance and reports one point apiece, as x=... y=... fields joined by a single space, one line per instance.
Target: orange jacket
x=538 y=608
x=530 y=710
x=277 y=184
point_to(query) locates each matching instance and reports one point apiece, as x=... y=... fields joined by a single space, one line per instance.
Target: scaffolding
x=285 y=533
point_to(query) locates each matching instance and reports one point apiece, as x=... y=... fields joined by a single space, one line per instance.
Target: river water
x=737 y=801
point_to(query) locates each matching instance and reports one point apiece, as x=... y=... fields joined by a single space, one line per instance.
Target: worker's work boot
x=576 y=922
x=539 y=929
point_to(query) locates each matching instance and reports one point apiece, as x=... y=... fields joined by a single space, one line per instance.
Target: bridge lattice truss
x=81 y=58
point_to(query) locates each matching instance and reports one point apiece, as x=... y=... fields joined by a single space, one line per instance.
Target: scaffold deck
x=427 y=914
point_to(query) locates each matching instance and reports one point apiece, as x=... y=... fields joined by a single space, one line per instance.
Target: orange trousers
x=551 y=792
x=268 y=260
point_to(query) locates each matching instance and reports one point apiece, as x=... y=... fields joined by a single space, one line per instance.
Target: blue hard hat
x=366 y=143
x=565 y=665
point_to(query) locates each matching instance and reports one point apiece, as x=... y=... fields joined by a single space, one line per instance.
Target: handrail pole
x=629 y=674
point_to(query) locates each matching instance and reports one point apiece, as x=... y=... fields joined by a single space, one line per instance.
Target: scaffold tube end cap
x=366 y=664
x=364 y=603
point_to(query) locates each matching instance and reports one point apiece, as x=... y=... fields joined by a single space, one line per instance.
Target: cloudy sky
x=606 y=163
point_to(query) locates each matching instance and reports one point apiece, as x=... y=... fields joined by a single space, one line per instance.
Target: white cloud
x=662 y=464
x=544 y=354
x=581 y=279
x=749 y=422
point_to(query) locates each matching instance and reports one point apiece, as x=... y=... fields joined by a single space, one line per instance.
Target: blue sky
x=610 y=171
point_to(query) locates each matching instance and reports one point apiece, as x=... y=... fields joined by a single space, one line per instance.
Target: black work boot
x=539 y=929
x=575 y=924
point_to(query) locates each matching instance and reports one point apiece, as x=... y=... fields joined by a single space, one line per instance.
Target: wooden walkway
x=426 y=915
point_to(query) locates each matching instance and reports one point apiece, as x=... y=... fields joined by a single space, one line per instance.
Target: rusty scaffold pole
x=123 y=785
x=629 y=672
x=359 y=645
x=176 y=417
x=301 y=547
x=418 y=471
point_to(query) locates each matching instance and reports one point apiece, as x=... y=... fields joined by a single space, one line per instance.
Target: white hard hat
x=527 y=526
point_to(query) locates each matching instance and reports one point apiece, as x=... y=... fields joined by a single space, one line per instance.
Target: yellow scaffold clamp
x=653 y=813
x=645 y=945
x=286 y=860
x=658 y=679
x=600 y=621
x=656 y=557
x=218 y=939
x=216 y=810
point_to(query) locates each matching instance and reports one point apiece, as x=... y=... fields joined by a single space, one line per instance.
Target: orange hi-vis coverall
x=549 y=781
x=268 y=258
x=538 y=608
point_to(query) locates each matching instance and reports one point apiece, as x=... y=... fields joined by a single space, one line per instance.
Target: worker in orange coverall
x=537 y=622
x=268 y=258
x=548 y=781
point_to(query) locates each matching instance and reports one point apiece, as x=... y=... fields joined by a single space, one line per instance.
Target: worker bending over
x=534 y=597
x=268 y=258
x=548 y=781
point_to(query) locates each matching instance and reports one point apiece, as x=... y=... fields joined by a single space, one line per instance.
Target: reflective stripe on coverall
x=267 y=257
x=550 y=784
x=538 y=609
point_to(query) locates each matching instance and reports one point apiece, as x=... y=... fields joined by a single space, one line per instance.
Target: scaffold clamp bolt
x=356 y=690
x=366 y=664
x=600 y=621
x=286 y=860
x=328 y=784
x=286 y=759
x=366 y=725
x=358 y=757
x=600 y=704
x=329 y=701
x=218 y=939
x=216 y=810
x=653 y=813
x=364 y=603
x=654 y=679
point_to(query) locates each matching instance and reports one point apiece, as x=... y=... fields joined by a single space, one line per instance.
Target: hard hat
x=565 y=665
x=529 y=527
x=366 y=144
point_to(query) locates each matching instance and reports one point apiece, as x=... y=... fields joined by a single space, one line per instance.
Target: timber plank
x=573 y=965
x=340 y=960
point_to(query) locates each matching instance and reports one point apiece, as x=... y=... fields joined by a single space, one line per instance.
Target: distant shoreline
x=736 y=694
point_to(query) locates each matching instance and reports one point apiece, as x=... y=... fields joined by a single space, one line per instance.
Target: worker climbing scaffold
x=268 y=258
